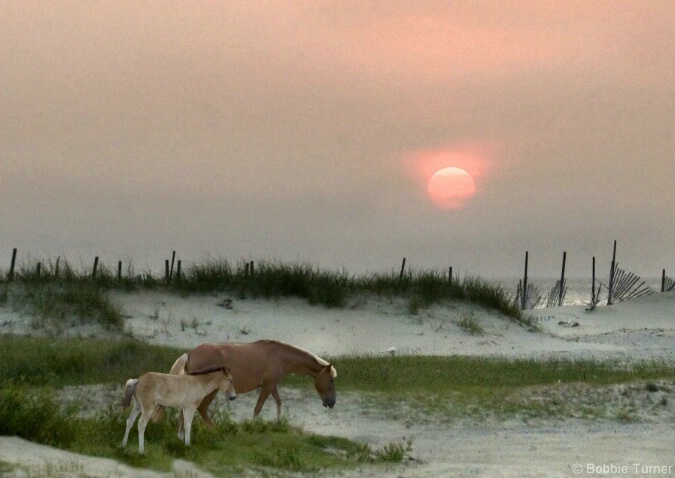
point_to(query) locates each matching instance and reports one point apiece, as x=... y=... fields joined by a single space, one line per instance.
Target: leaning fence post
x=562 y=280
x=400 y=276
x=10 y=276
x=93 y=272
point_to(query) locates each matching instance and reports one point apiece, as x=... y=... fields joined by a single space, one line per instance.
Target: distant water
x=578 y=289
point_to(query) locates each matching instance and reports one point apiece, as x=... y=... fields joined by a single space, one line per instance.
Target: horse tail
x=157 y=413
x=129 y=390
x=180 y=365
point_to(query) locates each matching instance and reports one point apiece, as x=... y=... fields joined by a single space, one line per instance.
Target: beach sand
x=635 y=330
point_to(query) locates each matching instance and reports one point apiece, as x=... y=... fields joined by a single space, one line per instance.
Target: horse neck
x=298 y=361
x=209 y=382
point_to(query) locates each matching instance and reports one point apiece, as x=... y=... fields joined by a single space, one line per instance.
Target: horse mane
x=204 y=371
x=319 y=360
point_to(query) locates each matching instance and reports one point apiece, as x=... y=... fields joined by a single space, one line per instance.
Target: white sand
x=640 y=329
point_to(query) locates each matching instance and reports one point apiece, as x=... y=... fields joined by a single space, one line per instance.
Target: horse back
x=250 y=364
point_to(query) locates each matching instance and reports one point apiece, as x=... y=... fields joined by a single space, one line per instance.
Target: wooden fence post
x=612 y=270
x=167 y=277
x=663 y=280
x=524 y=295
x=400 y=276
x=178 y=271
x=119 y=271
x=38 y=269
x=10 y=276
x=93 y=272
x=450 y=276
x=173 y=259
x=562 y=280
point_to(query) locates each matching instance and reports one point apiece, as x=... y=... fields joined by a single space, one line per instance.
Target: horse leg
x=204 y=406
x=277 y=399
x=181 y=428
x=188 y=415
x=142 y=423
x=264 y=393
x=130 y=422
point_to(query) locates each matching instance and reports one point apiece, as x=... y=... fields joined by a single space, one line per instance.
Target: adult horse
x=259 y=365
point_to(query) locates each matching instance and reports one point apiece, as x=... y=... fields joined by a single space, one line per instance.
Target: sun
x=450 y=188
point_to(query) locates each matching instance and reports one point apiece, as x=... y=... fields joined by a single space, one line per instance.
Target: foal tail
x=129 y=390
x=179 y=367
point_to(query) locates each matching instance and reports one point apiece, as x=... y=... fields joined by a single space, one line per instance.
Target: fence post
x=524 y=296
x=10 y=276
x=38 y=269
x=400 y=276
x=167 y=277
x=119 y=271
x=450 y=276
x=562 y=280
x=178 y=271
x=173 y=258
x=93 y=272
x=611 y=276
x=663 y=280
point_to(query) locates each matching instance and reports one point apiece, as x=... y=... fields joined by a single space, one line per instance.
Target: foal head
x=324 y=382
x=227 y=385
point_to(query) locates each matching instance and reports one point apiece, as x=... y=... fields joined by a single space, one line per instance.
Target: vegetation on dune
x=58 y=291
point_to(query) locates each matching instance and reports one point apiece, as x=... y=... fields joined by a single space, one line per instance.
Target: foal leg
x=130 y=422
x=188 y=415
x=277 y=399
x=142 y=423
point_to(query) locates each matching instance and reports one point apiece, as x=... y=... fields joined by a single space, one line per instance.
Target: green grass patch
x=58 y=362
x=33 y=414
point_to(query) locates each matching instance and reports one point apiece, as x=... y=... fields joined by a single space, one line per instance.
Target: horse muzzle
x=329 y=403
x=232 y=397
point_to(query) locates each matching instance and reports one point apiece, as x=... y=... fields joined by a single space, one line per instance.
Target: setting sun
x=450 y=188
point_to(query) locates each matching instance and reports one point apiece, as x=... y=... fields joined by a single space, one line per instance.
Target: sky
x=308 y=131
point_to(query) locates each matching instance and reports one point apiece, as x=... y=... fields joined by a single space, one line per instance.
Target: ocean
x=578 y=290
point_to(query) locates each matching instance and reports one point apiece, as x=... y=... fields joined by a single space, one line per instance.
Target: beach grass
x=266 y=279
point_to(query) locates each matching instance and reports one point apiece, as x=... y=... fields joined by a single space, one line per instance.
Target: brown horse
x=262 y=365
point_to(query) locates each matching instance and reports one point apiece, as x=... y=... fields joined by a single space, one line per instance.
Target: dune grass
x=270 y=279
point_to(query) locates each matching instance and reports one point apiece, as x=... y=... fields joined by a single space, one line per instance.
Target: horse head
x=227 y=385
x=324 y=382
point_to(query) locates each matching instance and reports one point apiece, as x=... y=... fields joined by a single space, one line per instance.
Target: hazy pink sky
x=306 y=131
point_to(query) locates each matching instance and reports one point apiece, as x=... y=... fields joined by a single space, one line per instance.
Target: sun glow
x=450 y=177
x=450 y=188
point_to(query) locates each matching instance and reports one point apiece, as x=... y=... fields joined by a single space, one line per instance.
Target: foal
x=184 y=391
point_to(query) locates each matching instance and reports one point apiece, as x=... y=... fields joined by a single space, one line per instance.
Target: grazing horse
x=259 y=365
x=186 y=391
